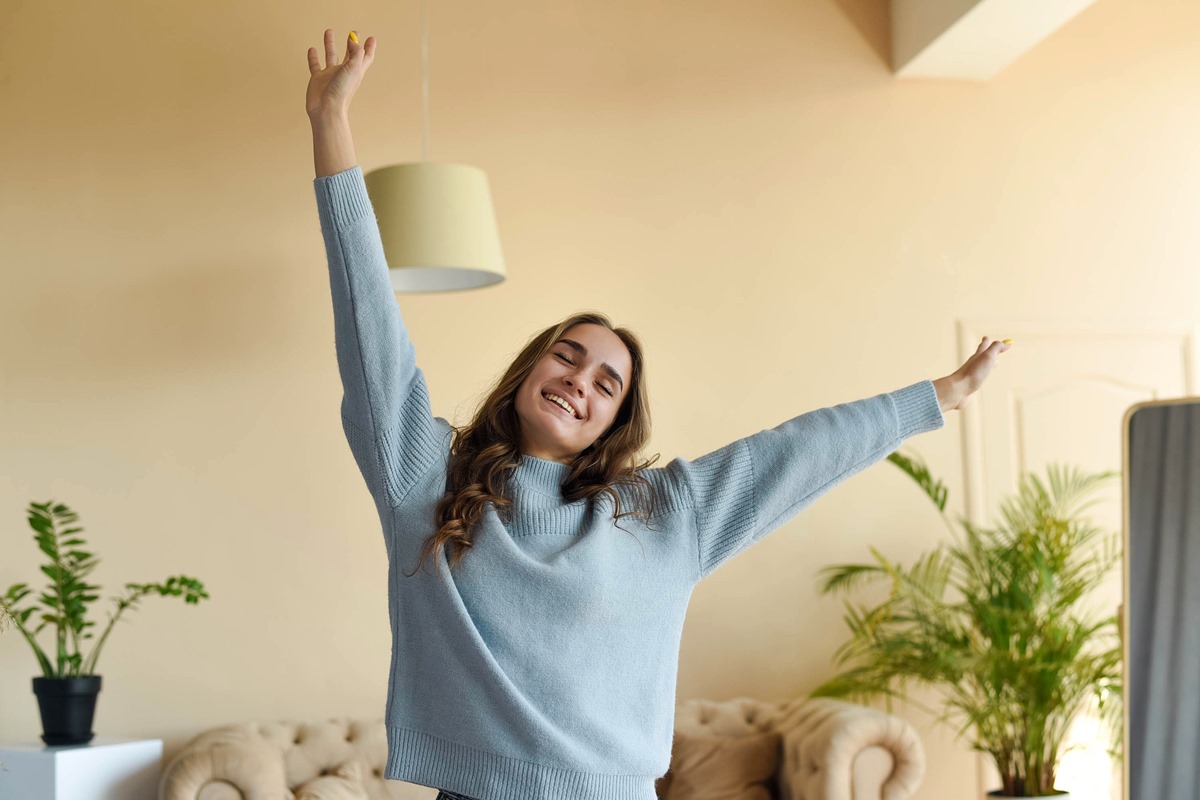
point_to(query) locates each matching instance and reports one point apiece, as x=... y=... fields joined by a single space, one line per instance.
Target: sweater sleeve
x=751 y=487
x=385 y=403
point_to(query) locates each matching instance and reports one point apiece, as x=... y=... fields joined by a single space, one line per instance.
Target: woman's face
x=590 y=368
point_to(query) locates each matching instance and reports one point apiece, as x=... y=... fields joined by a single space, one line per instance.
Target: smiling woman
x=542 y=665
x=593 y=369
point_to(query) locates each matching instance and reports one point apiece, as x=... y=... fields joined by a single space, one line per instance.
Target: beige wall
x=744 y=183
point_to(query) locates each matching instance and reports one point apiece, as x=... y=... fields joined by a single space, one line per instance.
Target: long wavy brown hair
x=484 y=453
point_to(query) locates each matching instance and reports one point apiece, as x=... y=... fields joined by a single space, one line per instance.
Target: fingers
x=330 y=55
x=360 y=50
x=353 y=48
x=988 y=343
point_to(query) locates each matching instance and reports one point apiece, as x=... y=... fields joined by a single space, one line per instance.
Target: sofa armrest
x=833 y=750
x=250 y=766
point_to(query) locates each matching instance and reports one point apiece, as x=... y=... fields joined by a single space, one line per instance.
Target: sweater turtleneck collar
x=541 y=474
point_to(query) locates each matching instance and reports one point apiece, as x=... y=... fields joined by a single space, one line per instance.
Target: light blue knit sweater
x=544 y=667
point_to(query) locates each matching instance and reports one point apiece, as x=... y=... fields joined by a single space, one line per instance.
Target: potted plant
x=994 y=621
x=68 y=687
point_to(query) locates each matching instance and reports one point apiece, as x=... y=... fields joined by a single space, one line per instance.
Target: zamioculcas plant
x=65 y=599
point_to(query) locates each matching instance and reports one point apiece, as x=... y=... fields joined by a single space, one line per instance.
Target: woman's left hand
x=955 y=390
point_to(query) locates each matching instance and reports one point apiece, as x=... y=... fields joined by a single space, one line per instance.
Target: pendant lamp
x=435 y=219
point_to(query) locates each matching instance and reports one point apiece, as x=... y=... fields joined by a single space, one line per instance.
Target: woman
x=537 y=659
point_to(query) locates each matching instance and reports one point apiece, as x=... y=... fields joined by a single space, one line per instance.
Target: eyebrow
x=578 y=348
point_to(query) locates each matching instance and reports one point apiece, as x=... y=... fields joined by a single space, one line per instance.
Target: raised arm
x=743 y=491
x=385 y=404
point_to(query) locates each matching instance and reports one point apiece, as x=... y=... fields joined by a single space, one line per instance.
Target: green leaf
x=845 y=577
x=915 y=468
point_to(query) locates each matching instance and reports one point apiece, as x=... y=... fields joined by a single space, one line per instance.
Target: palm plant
x=994 y=620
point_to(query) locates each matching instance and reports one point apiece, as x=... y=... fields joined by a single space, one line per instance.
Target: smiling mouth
x=560 y=408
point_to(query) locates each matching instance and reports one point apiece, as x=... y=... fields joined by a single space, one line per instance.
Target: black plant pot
x=68 y=706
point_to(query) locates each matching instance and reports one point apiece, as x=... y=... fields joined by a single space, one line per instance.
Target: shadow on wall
x=873 y=19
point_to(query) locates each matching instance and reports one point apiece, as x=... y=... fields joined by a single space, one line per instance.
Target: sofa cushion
x=723 y=767
x=344 y=783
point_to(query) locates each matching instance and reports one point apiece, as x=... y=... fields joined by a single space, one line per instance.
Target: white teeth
x=555 y=398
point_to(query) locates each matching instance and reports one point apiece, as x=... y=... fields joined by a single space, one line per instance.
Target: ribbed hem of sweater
x=431 y=761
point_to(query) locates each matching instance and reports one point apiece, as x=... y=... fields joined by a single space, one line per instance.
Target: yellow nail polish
x=354 y=37
x=1008 y=341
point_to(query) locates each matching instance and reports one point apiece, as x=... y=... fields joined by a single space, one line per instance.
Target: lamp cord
x=425 y=80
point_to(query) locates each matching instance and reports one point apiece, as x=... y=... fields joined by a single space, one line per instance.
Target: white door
x=1060 y=395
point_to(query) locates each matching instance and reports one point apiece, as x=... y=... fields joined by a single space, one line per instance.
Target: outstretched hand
x=330 y=89
x=967 y=379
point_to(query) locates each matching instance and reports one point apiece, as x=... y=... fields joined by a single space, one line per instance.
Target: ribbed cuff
x=345 y=196
x=918 y=409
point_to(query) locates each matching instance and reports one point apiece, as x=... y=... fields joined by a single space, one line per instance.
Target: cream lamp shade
x=437 y=225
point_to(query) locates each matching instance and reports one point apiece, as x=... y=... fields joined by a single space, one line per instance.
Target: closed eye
x=601 y=385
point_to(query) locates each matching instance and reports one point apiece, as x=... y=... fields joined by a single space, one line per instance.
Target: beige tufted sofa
x=829 y=750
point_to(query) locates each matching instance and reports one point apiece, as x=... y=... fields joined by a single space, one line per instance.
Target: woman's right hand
x=331 y=89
